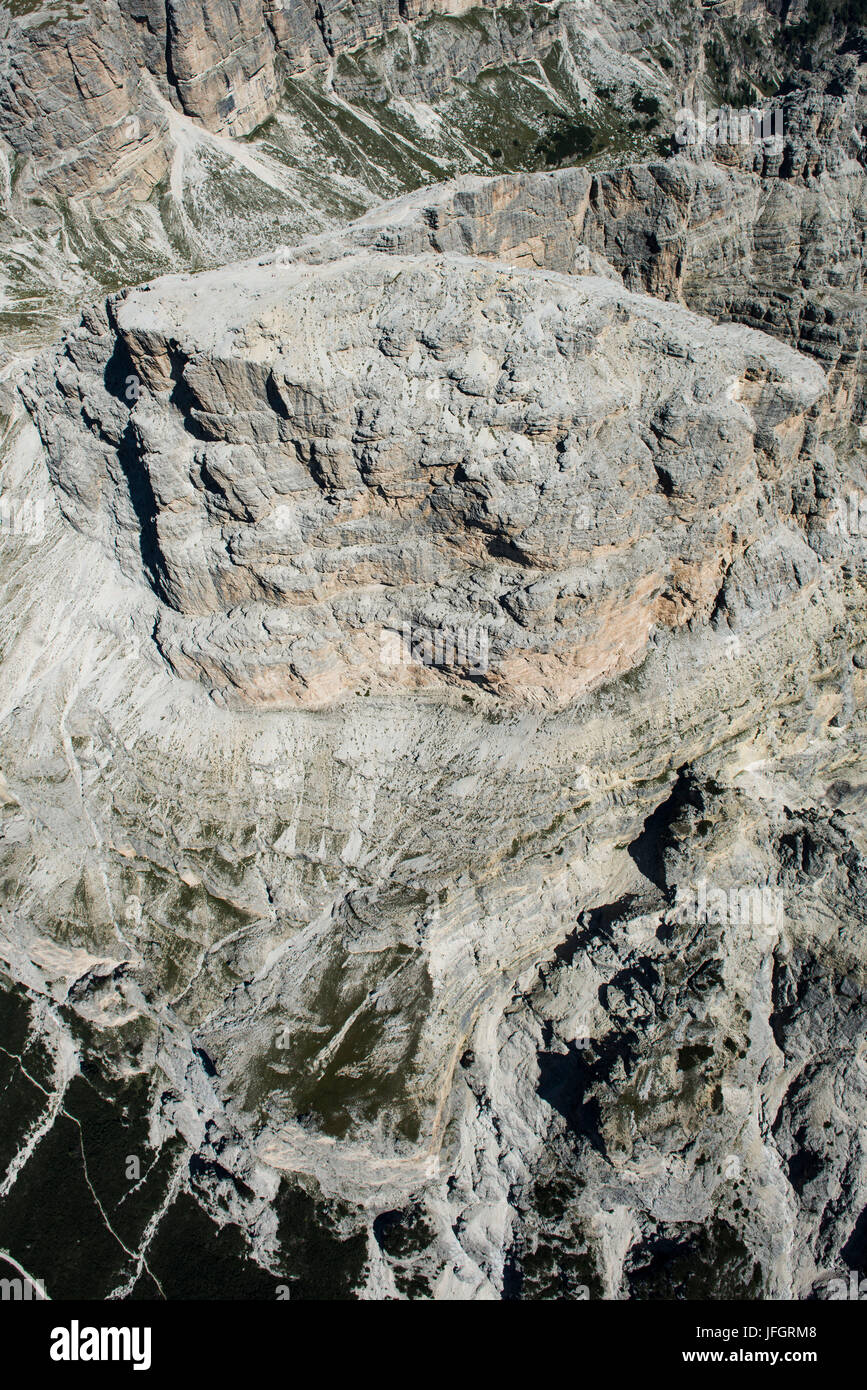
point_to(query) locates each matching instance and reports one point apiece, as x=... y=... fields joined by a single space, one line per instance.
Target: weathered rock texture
x=138 y=139
x=524 y=977
x=345 y=942
x=72 y=99
x=75 y=81
x=145 y=137
x=319 y=455
x=772 y=237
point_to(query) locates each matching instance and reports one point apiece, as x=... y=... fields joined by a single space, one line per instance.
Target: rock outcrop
x=305 y=459
x=432 y=661
x=143 y=138
x=82 y=82
x=73 y=101
x=772 y=237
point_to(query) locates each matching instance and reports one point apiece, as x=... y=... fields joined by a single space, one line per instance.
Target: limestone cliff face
x=523 y=951
x=78 y=81
x=224 y=65
x=440 y=957
x=420 y=963
x=320 y=455
x=220 y=63
x=193 y=139
x=72 y=99
x=773 y=238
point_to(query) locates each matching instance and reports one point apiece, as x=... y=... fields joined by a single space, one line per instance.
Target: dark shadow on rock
x=693 y=1262
x=854 y=1252
x=144 y=504
x=118 y=375
x=648 y=849
x=567 y=1079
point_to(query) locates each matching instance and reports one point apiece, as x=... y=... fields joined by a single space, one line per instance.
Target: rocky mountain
x=433 y=651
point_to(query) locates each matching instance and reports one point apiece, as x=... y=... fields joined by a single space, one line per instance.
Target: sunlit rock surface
x=432 y=666
x=318 y=456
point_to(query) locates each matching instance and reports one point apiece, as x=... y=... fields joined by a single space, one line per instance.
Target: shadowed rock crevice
x=659 y=833
x=709 y=1262
x=144 y=503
